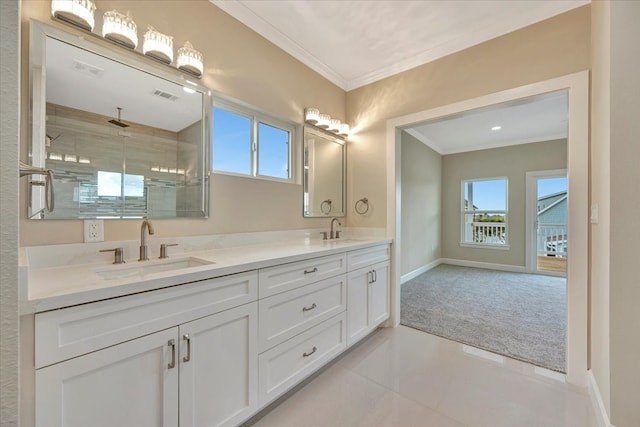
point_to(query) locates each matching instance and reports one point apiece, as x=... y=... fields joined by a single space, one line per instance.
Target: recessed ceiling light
x=496 y=128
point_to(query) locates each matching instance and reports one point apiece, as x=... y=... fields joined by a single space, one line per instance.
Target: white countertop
x=48 y=287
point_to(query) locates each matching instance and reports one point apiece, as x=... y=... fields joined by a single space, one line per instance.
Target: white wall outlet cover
x=93 y=230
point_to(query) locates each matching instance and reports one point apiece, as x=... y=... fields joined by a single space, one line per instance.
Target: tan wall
x=238 y=63
x=511 y=162
x=421 y=204
x=552 y=48
x=600 y=186
x=624 y=290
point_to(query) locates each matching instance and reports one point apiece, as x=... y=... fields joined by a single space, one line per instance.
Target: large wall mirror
x=323 y=174
x=125 y=138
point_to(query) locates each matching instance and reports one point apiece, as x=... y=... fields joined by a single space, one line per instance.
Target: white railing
x=552 y=240
x=486 y=232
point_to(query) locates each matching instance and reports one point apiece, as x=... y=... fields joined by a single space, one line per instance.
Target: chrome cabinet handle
x=172 y=344
x=369 y=277
x=309 y=308
x=313 y=270
x=310 y=353
x=375 y=276
x=188 y=340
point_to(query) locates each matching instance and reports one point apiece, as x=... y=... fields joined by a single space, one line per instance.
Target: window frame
x=257 y=117
x=465 y=211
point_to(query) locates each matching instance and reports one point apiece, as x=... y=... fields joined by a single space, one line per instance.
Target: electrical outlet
x=93 y=230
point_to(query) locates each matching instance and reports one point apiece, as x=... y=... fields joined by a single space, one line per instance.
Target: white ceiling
x=354 y=43
x=533 y=119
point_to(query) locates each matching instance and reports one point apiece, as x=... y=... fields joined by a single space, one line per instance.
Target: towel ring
x=362 y=206
x=326 y=203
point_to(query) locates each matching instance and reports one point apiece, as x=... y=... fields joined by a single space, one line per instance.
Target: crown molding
x=255 y=23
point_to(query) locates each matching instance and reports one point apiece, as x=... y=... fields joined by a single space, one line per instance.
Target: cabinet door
x=379 y=294
x=357 y=304
x=218 y=368
x=129 y=384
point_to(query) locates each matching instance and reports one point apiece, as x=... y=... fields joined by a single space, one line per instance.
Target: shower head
x=118 y=122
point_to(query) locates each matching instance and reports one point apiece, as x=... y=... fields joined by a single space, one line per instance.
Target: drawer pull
x=188 y=340
x=310 y=353
x=172 y=344
x=313 y=270
x=309 y=308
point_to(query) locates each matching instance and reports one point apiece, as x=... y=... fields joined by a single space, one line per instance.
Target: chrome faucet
x=335 y=234
x=146 y=226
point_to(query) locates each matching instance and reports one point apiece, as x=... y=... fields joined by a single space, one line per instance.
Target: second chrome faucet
x=146 y=226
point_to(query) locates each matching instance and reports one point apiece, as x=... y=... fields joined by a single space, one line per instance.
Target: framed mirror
x=124 y=138
x=323 y=178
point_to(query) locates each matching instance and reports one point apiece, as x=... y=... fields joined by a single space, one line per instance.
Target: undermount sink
x=150 y=267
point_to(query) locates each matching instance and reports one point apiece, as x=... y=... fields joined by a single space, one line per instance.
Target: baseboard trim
x=485 y=265
x=418 y=271
x=597 y=402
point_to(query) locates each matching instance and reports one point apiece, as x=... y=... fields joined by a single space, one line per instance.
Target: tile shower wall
x=151 y=154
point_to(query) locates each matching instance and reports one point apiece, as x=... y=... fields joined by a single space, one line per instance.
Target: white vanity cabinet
x=367 y=291
x=206 y=353
x=200 y=371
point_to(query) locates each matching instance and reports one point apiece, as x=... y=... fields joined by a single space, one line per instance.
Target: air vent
x=165 y=95
x=88 y=69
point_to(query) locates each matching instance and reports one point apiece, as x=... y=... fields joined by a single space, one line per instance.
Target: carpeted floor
x=522 y=316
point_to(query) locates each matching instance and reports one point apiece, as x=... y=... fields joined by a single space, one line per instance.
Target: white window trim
x=258 y=116
x=464 y=212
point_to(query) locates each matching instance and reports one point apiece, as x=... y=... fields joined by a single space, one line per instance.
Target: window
x=484 y=213
x=247 y=142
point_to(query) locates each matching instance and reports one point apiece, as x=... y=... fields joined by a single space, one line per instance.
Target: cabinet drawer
x=290 y=362
x=287 y=314
x=63 y=334
x=367 y=256
x=280 y=278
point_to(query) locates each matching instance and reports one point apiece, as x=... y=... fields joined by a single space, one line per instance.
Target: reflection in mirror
x=124 y=140
x=324 y=174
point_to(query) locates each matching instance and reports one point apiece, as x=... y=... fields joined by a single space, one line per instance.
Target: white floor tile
x=403 y=377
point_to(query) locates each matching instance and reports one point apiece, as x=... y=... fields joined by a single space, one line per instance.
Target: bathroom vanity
x=207 y=343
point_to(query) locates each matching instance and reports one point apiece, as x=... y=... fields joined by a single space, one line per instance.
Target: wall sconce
x=314 y=117
x=75 y=12
x=120 y=29
x=190 y=60
x=158 y=45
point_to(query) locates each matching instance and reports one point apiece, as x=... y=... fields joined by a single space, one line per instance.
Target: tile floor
x=404 y=377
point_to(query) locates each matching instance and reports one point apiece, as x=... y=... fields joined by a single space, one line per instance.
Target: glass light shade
x=158 y=45
x=311 y=115
x=334 y=125
x=84 y=160
x=120 y=28
x=190 y=60
x=70 y=158
x=75 y=12
x=344 y=129
x=324 y=120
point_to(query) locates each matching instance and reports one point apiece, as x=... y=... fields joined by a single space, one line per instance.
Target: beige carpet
x=522 y=316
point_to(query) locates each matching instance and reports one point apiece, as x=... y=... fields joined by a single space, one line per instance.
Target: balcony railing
x=486 y=232
x=552 y=240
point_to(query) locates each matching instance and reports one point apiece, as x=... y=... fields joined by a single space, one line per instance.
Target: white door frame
x=531 y=212
x=577 y=85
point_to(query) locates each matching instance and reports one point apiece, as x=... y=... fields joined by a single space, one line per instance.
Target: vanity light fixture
x=311 y=115
x=334 y=125
x=496 y=128
x=158 y=45
x=190 y=60
x=324 y=120
x=344 y=129
x=314 y=117
x=120 y=29
x=75 y=12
